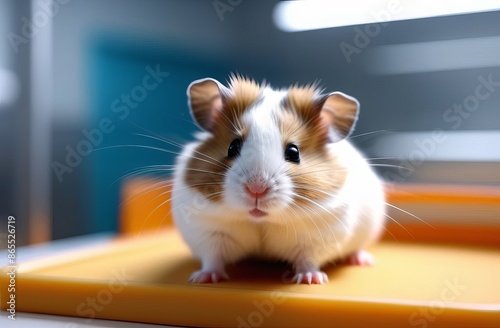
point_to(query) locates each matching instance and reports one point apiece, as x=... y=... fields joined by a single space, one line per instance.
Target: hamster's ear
x=205 y=99
x=340 y=112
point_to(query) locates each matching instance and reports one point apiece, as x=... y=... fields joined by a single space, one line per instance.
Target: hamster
x=273 y=176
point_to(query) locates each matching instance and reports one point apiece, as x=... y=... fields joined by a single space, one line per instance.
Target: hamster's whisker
x=154 y=210
x=313 y=221
x=323 y=208
x=301 y=220
x=172 y=143
x=166 y=201
x=215 y=160
x=208 y=196
x=205 y=184
x=165 y=217
x=399 y=224
x=158 y=137
x=326 y=223
x=205 y=171
x=233 y=127
x=317 y=158
x=213 y=193
x=243 y=168
x=160 y=183
x=314 y=161
x=134 y=173
x=308 y=188
x=181 y=204
x=317 y=171
x=333 y=194
x=136 y=146
x=343 y=202
x=210 y=160
x=368 y=133
x=390 y=233
x=230 y=122
x=201 y=185
x=390 y=165
x=158 y=165
x=150 y=187
x=285 y=218
x=313 y=188
x=391 y=218
x=379 y=158
x=161 y=139
x=149 y=168
x=239 y=125
x=410 y=214
x=292 y=221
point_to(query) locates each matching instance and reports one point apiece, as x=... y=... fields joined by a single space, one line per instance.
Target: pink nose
x=256 y=190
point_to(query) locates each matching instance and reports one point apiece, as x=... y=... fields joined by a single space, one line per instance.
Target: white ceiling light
x=294 y=16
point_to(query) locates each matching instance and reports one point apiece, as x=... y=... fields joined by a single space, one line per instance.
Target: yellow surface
x=415 y=285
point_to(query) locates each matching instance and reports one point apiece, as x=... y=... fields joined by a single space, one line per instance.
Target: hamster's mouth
x=257 y=213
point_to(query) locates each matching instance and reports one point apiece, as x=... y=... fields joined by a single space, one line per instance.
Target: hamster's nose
x=256 y=190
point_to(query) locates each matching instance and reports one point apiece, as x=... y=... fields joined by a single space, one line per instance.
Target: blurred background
x=89 y=87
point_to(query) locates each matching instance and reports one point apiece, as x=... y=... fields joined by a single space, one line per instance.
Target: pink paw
x=203 y=277
x=360 y=258
x=310 y=277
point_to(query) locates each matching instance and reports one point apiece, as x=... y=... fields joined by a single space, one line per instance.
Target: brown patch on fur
x=244 y=92
x=306 y=104
x=303 y=105
x=319 y=174
x=208 y=166
x=304 y=101
x=316 y=179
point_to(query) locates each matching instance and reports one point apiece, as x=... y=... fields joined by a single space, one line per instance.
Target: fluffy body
x=326 y=208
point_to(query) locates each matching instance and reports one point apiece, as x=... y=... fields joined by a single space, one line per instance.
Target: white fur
x=306 y=237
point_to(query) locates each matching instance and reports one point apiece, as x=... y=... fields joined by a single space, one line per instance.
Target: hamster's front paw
x=208 y=276
x=360 y=257
x=311 y=277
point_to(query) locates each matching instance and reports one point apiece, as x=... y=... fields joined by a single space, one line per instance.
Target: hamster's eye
x=234 y=148
x=292 y=153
